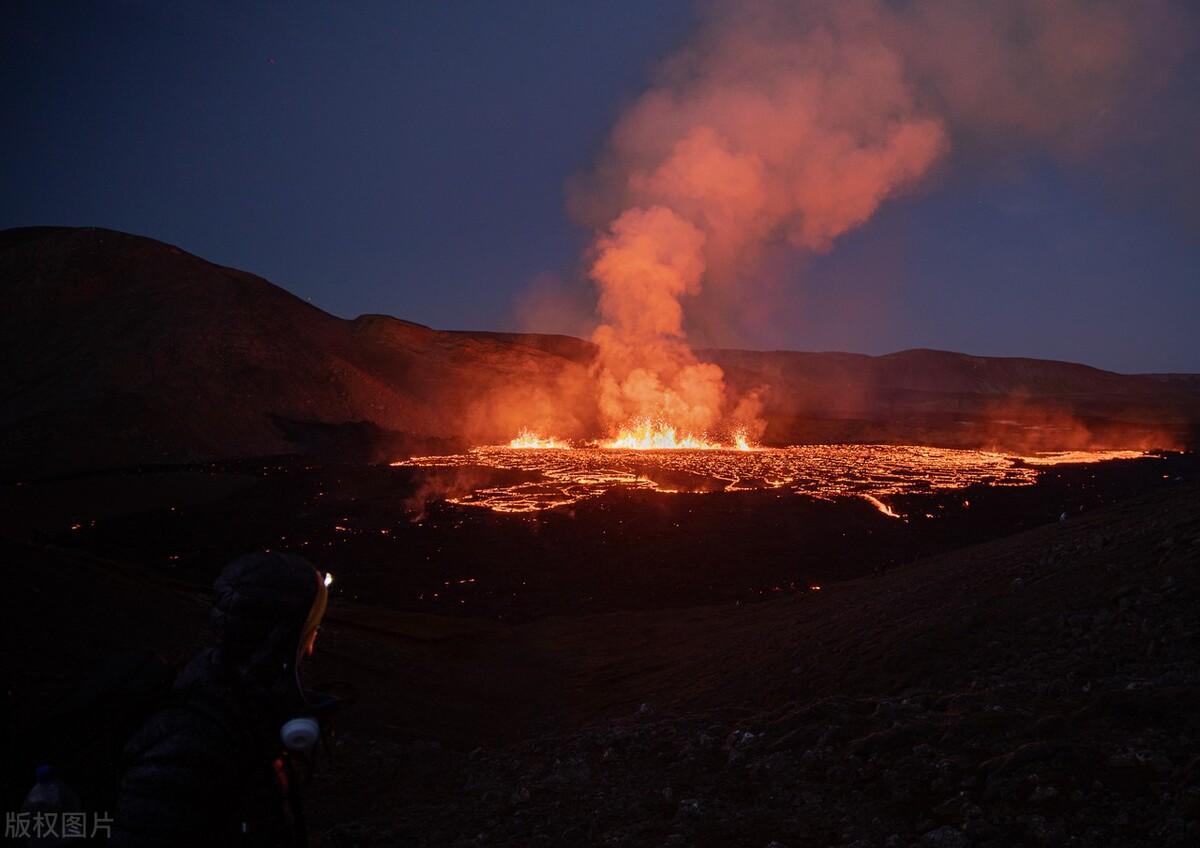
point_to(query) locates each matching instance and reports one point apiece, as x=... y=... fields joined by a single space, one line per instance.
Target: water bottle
x=50 y=795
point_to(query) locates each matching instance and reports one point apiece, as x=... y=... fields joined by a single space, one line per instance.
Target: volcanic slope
x=117 y=349
x=1039 y=690
x=1042 y=689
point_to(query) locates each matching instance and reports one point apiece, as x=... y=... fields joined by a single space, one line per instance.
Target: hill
x=1037 y=689
x=117 y=349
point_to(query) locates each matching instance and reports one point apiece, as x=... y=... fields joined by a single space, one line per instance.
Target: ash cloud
x=791 y=123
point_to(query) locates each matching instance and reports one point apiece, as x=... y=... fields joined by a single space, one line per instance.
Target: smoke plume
x=791 y=123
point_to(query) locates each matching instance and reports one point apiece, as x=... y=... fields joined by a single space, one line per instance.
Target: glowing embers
x=875 y=473
x=529 y=440
x=1075 y=456
x=645 y=434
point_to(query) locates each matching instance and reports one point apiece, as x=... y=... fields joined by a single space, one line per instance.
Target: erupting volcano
x=651 y=435
x=733 y=147
x=779 y=129
x=793 y=445
x=529 y=440
x=645 y=435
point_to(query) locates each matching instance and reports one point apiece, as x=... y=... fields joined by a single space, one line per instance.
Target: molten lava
x=529 y=440
x=881 y=506
x=645 y=434
x=1077 y=456
x=874 y=473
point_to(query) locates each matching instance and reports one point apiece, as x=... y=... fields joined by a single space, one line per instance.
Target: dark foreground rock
x=1038 y=689
x=1042 y=690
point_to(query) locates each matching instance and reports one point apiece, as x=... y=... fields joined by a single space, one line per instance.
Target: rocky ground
x=1037 y=689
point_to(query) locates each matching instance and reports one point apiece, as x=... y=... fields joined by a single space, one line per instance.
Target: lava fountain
x=530 y=440
x=646 y=434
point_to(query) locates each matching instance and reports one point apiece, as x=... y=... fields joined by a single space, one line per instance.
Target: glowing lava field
x=875 y=473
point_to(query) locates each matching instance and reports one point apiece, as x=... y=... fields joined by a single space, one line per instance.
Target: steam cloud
x=792 y=123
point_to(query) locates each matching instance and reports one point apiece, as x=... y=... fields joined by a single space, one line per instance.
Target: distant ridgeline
x=119 y=350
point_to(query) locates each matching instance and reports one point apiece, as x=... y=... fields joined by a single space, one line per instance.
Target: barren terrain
x=1039 y=688
x=118 y=350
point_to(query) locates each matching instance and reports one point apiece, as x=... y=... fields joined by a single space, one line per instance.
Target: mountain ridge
x=122 y=350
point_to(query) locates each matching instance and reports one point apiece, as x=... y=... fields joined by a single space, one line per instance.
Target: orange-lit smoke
x=792 y=123
x=646 y=262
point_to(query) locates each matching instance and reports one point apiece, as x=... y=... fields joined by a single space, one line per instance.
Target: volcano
x=120 y=350
x=825 y=639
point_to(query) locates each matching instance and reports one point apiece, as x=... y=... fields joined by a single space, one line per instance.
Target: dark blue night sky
x=410 y=158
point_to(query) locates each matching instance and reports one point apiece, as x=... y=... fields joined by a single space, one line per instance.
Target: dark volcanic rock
x=953 y=399
x=116 y=349
x=924 y=704
x=947 y=755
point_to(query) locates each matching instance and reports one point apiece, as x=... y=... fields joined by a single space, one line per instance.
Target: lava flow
x=874 y=473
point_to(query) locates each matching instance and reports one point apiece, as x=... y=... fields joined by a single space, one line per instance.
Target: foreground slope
x=1041 y=689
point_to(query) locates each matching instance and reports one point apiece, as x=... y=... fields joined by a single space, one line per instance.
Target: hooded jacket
x=209 y=767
